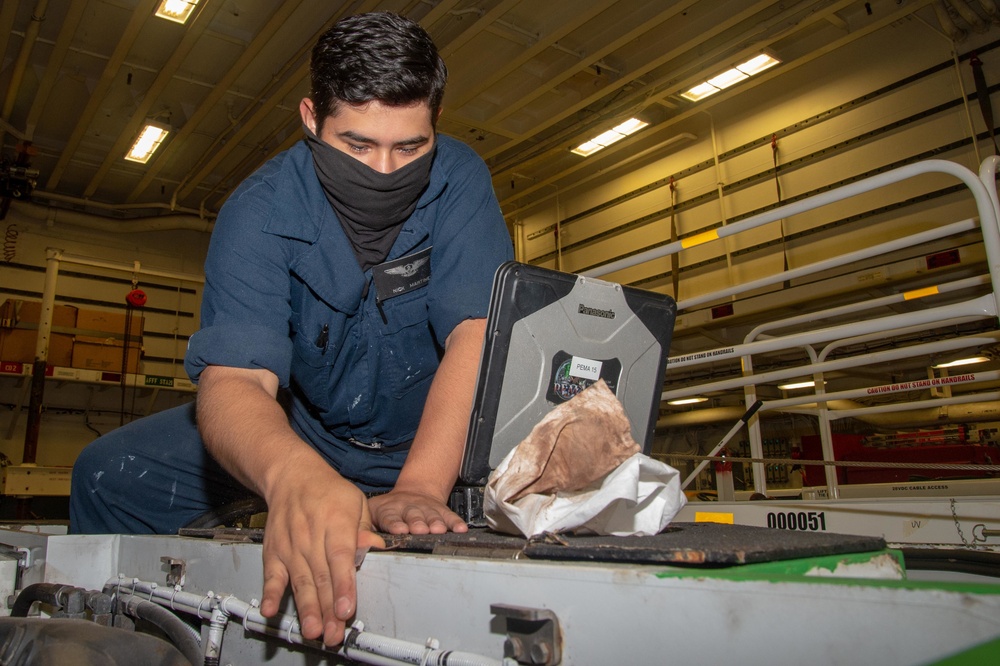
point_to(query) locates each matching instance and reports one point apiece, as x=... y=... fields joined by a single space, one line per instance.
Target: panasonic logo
x=595 y=312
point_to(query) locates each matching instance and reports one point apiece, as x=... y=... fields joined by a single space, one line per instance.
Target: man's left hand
x=406 y=512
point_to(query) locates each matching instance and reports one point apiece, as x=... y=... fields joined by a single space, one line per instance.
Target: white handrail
x=983 y=190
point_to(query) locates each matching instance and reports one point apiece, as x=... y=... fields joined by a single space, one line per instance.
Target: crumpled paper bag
x=580 y=470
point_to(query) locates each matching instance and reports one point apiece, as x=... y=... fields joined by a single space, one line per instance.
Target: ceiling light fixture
x=687 y=401
x=149 y=139
x=797 y=385
x=740 y=72
x=176 y=10
x=962 y=361
x=616 y=133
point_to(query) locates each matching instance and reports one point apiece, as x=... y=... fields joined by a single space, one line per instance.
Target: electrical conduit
x=359 y=645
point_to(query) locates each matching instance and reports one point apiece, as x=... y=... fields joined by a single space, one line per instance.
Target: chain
x=958 y=528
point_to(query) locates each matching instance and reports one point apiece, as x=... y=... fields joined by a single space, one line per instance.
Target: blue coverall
x=284 y=292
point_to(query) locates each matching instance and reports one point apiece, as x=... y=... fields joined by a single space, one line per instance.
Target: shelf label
x=11 y=367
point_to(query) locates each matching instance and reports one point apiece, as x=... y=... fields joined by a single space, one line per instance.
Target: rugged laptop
x=549 y=336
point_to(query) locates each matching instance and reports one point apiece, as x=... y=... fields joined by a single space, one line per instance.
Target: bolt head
x=513 y=648
x=540 y=653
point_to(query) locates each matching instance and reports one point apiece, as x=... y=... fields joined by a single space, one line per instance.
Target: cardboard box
x=18 y=346
x=104 y=354
x=108 y=322
x=14 y=312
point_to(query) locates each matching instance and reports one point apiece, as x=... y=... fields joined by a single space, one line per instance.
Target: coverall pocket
x=312 y=365
x=409 y=351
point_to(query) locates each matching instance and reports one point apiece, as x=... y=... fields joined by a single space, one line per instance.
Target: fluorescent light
x=687 y=401
x=740 y=72
x=758 y=64
x=605 y=139
x=176 y=10
x=727 y=78
x=962 y=361
x=700 y=91
x=588 y=148
x=629 y=126
x=797 y=385
x=146 y=143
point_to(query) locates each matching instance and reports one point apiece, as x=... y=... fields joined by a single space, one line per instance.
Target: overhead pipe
x=991 y=9
x=151 y=205
x=969 y=15
x=943 y=9
x=133 y=225
x=950 y=28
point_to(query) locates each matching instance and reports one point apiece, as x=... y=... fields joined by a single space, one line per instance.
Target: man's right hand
x=316 y=522
x=316 y=519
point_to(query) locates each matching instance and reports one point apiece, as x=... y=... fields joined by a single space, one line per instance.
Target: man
x=354 y=271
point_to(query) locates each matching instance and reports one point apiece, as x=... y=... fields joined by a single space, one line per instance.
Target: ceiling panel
x=529 y=80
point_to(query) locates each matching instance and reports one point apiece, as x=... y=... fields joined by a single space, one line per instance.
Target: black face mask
x=372 y=206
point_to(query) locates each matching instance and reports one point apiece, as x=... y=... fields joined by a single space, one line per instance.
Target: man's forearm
x=436 y=455
x=244 y=427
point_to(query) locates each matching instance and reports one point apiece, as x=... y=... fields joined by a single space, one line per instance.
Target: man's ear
x=308 y=113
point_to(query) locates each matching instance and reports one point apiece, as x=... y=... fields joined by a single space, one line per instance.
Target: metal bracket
x=24 y=555
x=175 y=569
x=533 y=635
x=25 y=560
x=467 y=502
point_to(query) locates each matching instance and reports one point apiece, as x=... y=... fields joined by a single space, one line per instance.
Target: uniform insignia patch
x=396 y=277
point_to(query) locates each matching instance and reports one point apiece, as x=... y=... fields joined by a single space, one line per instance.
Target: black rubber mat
x=681 y=543
x=698 y=544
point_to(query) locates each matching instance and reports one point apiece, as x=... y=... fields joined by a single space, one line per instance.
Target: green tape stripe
x=795 y=570
x=984 y=653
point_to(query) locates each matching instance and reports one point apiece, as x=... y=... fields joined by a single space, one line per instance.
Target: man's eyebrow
x=413 y=141
x=359 y=138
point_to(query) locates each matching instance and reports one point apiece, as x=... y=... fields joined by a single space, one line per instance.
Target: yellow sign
x=713 y=517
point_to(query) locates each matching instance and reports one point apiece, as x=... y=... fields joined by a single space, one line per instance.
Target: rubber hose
x=980 y=563
x=63 y=597
x=179 y=633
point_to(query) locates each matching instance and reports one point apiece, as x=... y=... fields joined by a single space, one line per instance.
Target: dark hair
x=378 y=56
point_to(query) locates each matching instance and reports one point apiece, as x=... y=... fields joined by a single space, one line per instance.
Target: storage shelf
x=16 y=368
